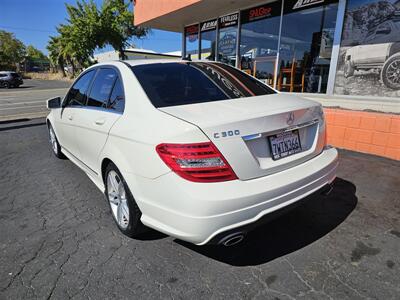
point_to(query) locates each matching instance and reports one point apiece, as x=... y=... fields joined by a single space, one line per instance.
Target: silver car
x=376 y=53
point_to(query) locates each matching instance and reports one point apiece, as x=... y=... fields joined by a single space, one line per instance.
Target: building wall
x=146 y=10
x=367 y=132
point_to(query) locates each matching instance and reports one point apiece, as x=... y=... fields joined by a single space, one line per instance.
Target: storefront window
x=306 y=46
x=227 y=39
x=192 y=40
x=208 y=32
x=259 y=40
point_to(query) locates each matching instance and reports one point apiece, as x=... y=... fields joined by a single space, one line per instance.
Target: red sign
x=259 y=12
x=193 y=29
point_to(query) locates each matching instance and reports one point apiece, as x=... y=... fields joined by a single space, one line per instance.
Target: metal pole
x=199 y=41
x=216 y=40
x=336 y=46
x=238 y=40
x=279 y=46
x=183 y=54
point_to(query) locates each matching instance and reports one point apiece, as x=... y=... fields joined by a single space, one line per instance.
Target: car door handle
x=100 y=121
x=70 y=118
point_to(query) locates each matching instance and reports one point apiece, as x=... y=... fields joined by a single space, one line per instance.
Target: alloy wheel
x=53 y=140
x=393 y=72
x=117 y=197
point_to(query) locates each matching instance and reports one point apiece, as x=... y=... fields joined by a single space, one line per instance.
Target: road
x=58 y=239
x=29 y=100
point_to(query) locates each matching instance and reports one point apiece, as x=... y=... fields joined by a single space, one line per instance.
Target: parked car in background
x=197 y=150
x=9 y=79
x=376 y=53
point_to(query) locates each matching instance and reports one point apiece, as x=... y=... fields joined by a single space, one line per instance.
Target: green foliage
x=88 y=28
x=117 y=25
x=35 y=54
x=12 y=50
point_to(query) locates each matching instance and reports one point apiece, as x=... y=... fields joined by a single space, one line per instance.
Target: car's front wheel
x=390 y=74
x=55 y=145
x=348 y=69
x=124 y=209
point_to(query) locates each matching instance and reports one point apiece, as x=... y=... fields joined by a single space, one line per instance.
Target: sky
x=33 y=21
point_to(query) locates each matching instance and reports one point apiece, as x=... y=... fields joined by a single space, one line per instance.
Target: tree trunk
x=61 y=65
x=122 y=55
x=71 y=61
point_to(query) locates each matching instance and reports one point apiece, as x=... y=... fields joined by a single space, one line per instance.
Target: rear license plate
x=284 y=144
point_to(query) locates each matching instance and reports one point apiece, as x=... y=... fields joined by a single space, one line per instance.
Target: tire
x=123 y=207
x=7 y=85
x=55 y=145
x=348 y=69
x=390 y=74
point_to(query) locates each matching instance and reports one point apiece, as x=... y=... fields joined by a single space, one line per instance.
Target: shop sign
x=261 y=12
x=227 y=44
x=208 y=25
x=191 y=32
x=229 y=20
x=295 y=5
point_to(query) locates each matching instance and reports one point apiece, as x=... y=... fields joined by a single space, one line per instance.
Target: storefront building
x=343 y=53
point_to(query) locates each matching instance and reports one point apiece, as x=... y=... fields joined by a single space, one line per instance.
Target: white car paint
x=193 y=211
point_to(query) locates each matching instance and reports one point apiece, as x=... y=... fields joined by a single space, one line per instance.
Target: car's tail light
x=198 y=162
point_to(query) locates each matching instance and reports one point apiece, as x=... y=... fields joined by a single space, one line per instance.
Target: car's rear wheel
x=7 y=85
x=390 y=74
x=124 y=209
x=55 y=145
x=348 y=69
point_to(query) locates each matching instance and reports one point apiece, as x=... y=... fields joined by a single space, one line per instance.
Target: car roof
x=137 y=62
x=6 y=72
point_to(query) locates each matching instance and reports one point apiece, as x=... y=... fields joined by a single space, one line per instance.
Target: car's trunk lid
x=240 y=129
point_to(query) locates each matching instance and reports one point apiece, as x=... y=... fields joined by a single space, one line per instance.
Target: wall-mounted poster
x=369 y=58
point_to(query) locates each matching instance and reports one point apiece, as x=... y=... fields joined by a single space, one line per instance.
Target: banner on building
x=369 y=59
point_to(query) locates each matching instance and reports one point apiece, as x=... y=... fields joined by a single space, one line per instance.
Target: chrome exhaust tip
x=232 y=239
x=327 y=189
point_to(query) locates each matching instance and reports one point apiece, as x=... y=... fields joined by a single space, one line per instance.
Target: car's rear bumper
x=199 y=212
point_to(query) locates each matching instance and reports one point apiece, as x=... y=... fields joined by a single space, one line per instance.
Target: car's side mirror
x=54 y=103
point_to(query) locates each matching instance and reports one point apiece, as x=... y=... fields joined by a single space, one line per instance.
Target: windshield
x=179 y=83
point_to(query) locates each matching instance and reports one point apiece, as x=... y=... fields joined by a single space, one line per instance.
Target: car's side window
x=117 y=98
x=77 y=94
x=101 y=88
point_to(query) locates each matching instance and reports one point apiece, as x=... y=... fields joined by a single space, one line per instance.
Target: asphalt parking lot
x=29 y=100
x=58 y=240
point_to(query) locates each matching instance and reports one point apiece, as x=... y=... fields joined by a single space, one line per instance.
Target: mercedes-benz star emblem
x=290 y=118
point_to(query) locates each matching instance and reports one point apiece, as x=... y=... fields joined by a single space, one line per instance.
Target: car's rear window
x=179 y=83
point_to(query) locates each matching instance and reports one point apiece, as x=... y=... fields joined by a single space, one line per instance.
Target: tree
x=55 y=54
x=34 y=53
x=12 y=50
x=88 y=28
x=117 y=26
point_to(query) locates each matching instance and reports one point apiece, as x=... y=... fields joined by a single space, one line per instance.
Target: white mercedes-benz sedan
x=197 y=150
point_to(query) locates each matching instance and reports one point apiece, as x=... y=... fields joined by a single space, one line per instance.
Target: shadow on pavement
x=15 y=121
x=314 y=218
x=22 y=126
